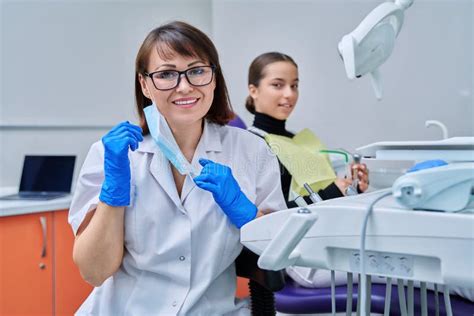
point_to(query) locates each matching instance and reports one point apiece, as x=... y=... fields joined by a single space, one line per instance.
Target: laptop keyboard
x=27 y=195
x=34 y=196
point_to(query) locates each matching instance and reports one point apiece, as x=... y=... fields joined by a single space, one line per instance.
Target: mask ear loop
x=151 y=95
x=156 y=105
x=191 y=174
x=153 y=103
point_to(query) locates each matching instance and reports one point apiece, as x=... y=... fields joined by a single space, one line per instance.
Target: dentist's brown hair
x=180 y=38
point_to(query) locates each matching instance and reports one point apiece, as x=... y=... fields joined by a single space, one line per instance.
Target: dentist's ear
x=144 y=86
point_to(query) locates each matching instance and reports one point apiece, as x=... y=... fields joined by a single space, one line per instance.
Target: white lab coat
x=179 y=251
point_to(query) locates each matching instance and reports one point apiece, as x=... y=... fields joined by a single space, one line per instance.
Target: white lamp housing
x=371 y=43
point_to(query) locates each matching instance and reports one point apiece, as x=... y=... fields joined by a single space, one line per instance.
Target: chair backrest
x=237 y=122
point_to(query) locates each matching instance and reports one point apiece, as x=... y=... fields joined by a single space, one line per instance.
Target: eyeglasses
x=170 y=79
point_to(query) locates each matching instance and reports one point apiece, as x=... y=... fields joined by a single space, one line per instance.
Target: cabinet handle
x=45 y=241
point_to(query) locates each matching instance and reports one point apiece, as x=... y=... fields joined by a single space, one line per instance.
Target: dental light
x=371 y=43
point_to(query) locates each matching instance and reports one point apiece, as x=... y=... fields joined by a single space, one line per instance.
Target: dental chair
x=237 y=122
x=295 y=299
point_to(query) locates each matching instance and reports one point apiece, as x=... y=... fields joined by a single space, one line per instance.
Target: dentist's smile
x=186 y=102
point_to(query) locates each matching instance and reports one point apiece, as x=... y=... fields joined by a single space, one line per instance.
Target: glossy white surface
x=21 y=207
x=455 y=144
x=431 y=242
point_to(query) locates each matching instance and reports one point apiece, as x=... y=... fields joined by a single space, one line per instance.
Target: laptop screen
x=47 y=174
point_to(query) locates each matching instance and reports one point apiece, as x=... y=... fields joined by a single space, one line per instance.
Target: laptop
x=44 y=178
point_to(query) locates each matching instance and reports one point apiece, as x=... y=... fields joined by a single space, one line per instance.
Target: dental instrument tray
x=451 y=149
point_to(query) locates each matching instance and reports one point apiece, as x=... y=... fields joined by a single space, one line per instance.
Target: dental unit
x=415 y=227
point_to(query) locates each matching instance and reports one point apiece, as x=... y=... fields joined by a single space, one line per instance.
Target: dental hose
x=262 y=301
x=362 y=280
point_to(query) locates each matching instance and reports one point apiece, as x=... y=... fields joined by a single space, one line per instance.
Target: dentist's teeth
x=185 y=102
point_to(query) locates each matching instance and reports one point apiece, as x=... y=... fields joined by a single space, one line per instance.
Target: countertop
x=21 y=207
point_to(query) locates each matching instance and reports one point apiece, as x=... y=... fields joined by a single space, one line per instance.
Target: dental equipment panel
x=397 y=240
x=413 y=245
x=370 y=44
x=401 y=237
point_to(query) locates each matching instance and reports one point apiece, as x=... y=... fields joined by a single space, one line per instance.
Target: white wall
x=67 y=71
x=67 y=68
x=428 y=76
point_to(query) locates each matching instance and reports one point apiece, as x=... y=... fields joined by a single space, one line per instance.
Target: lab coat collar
x=160 y=168
x=147 y=145
x=211 y=137
x=210 y=142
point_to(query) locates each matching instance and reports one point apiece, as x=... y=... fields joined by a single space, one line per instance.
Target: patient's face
x=277 y=93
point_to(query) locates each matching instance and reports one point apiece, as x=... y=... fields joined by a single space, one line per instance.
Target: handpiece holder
x=447 y=188
x=282 y=251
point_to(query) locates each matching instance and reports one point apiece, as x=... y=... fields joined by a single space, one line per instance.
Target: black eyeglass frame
x=180 y=73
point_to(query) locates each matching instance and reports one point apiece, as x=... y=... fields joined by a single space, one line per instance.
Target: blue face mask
x=161 y=134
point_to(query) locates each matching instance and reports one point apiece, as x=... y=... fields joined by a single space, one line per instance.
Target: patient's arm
x=263 y=212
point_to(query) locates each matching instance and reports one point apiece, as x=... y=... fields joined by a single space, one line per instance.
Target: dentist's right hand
x=116 y=187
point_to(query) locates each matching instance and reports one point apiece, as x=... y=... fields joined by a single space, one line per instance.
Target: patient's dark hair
x=257 y=72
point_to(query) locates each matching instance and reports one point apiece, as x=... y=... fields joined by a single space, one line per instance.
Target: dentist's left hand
x=218 y=180
x=117 y=142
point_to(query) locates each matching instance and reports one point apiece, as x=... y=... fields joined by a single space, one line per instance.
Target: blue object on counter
x=427 y=164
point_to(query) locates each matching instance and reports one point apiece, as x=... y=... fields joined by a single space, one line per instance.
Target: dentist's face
x=277 y=93
x=185 y=104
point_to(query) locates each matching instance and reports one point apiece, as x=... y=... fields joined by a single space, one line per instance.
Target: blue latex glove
x=218 y=180
x=427 y=164
x=116 y=187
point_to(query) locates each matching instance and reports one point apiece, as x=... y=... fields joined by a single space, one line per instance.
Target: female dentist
x=153 y=241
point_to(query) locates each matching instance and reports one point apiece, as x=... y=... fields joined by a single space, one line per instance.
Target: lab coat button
x=182 y=258
x=174 y=303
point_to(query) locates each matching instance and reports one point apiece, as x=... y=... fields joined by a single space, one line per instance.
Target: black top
x=274 y=126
